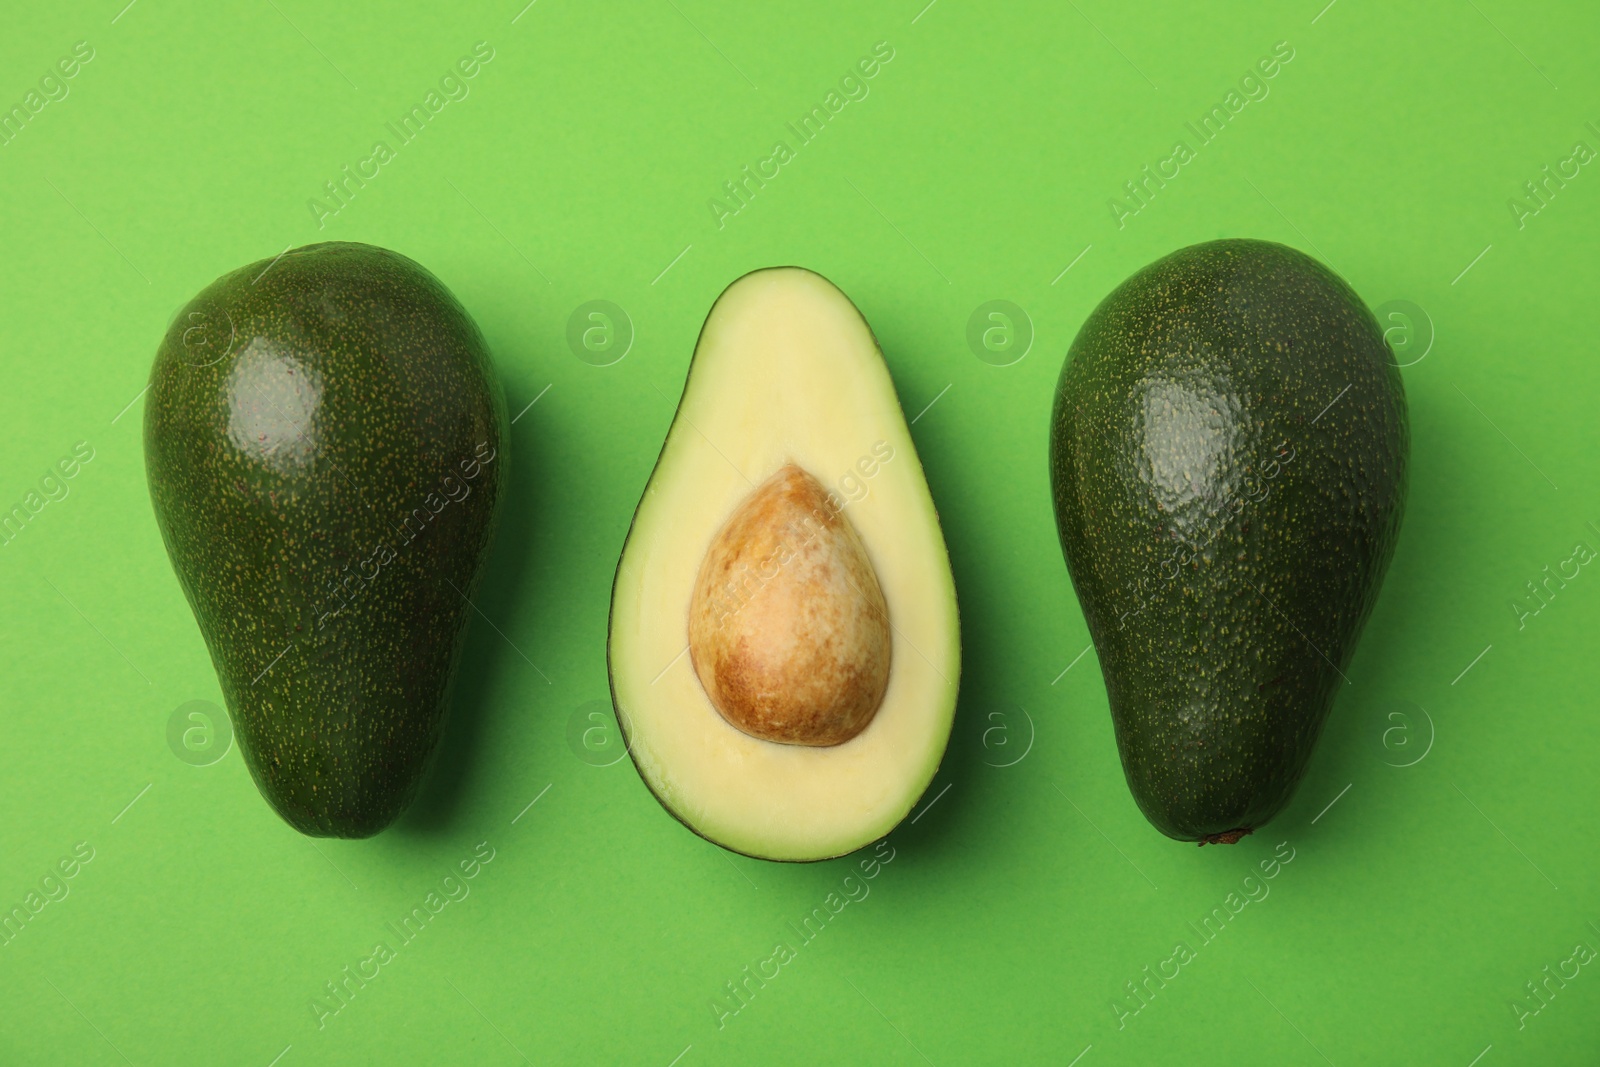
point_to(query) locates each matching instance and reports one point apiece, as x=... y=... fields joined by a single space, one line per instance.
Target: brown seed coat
x=788 y=627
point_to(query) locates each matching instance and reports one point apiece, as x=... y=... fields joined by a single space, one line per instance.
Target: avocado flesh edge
x=785 y=369
x=1228 y=464
x=308 y=436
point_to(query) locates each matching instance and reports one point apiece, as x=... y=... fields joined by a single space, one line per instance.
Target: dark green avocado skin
x=1228 y=462
x=325 y=442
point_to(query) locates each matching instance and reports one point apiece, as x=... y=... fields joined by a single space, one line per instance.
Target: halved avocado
x=786 y=557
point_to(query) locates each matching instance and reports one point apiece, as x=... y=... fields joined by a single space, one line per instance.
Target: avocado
x=325 y=446
x=784 y=648
x=1228 y=465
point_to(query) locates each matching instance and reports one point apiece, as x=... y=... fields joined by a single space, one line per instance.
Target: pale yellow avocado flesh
x=786 y=372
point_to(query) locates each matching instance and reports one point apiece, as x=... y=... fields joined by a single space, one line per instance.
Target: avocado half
x=788 y=535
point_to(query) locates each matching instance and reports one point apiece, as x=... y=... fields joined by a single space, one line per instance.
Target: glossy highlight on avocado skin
x=324 y=442
x=273 y=401
x=1228 y=462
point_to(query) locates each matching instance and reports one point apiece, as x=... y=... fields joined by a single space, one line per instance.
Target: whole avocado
x=1228 y=456
x=325 y=447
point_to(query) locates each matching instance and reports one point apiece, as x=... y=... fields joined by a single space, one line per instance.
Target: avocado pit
x=788 y=626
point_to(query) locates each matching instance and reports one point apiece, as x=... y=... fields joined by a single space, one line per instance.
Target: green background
x=978 y=168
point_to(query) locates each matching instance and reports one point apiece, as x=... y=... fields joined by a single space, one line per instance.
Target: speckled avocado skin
x=1228 y=461
x=325 y=442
